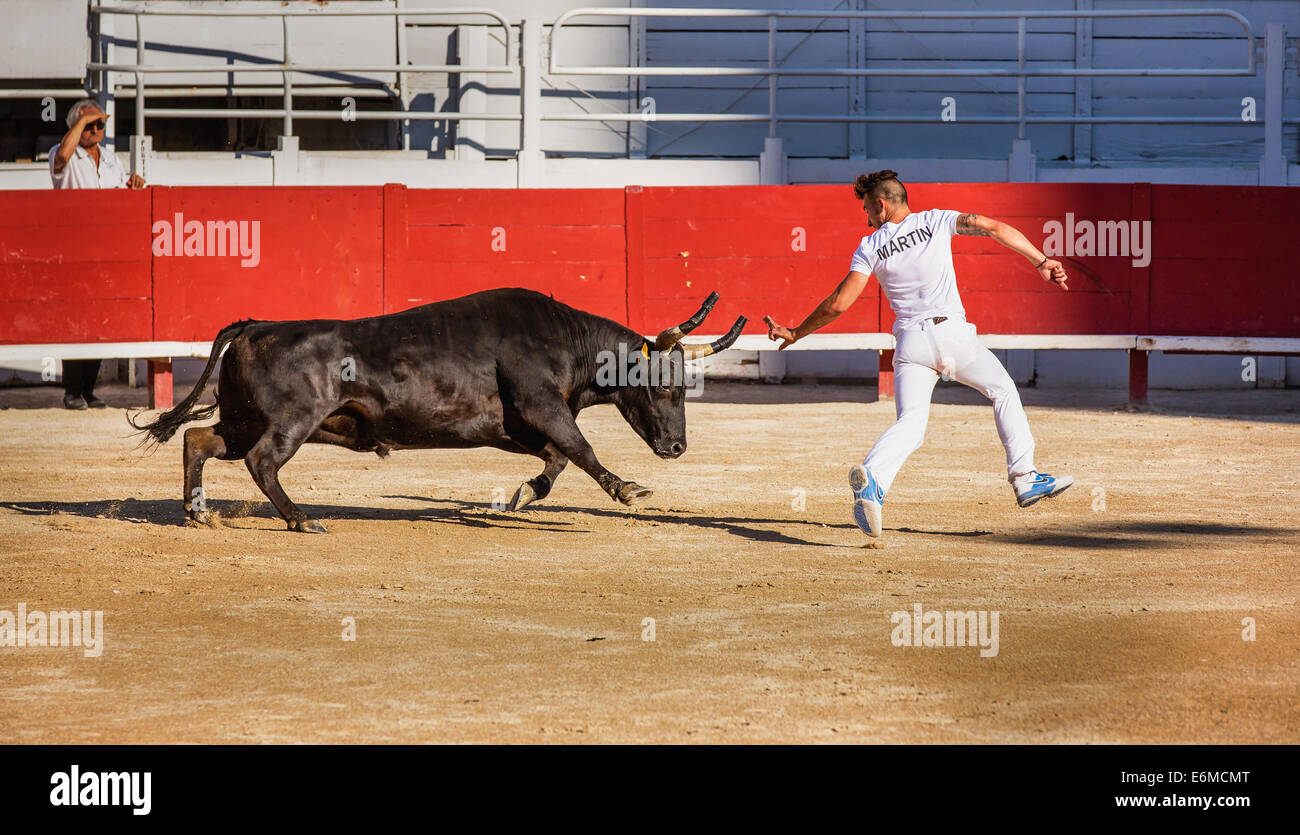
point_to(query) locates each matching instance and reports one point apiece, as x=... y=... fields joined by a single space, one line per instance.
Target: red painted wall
x=89 y=266
x=321 y=257
x=451 y=242
x=74 y=266
x=1226 y=261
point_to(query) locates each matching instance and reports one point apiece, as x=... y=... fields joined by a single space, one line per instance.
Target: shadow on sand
x=1103 y=535
x=538 y=517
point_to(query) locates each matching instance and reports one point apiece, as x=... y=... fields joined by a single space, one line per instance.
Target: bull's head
x=652 y=395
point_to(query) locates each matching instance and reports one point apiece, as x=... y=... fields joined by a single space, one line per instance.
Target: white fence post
x=1272 y=168
x=471 y=50
x=531 y=160
x=141 y=155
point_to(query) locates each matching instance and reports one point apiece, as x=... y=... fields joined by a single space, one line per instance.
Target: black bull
x=507 y=368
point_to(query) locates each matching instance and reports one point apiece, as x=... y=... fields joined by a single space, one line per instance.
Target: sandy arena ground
x=1121 y=602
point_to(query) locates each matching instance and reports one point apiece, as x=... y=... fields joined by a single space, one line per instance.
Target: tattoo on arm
x=966 y=226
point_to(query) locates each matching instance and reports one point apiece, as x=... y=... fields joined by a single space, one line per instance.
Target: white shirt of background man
x=81 y=172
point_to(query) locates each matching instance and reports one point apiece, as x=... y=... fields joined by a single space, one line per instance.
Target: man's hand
x=775 y=332
x=135 y=181
x=1053 y=271
x=90 y=114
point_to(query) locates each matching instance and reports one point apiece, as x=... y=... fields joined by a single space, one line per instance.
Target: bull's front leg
x=568 y=438
x=547 y=412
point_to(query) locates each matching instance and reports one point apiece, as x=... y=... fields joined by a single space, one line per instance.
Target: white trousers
x=924 y=352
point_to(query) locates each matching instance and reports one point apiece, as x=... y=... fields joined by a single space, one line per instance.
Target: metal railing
x=773 y=71
x=287 y=67
x=523 y=55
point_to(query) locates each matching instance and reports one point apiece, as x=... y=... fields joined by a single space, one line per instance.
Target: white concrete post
x=285 y=162
x=1021 y=166
x=772 y=162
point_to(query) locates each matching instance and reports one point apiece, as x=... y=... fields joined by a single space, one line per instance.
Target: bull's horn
x=673 y=335
x=694 y=352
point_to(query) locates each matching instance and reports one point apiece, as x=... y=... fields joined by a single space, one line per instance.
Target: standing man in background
x=79 y=162
x=911 y=256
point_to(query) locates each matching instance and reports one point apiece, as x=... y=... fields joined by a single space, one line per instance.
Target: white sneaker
x=867 y=500
x=1043 y=486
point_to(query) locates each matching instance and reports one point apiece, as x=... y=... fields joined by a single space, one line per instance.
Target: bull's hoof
x=631 y=493
x=203 y=518
x=524 y=496
x=307 y=526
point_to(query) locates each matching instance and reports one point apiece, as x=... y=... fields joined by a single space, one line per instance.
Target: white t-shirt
x=81 y=172
x=912 y=261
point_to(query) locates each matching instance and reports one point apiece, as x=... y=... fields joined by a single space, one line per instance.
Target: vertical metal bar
x=638 y=136
x=401 y=81
x=1082 y=134
x=1273 y=165
x=857 y=87
x=1020 y=77
x=139 y=80
x=105 y=31
x=288 y=83
x=771 y=79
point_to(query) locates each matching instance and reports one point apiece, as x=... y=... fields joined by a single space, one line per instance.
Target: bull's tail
x=161 y=429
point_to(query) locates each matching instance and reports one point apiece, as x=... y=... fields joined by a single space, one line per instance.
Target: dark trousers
x=79 y=377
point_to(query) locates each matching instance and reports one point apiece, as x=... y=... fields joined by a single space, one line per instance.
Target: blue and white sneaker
x=867 y=500
x=1043 y=486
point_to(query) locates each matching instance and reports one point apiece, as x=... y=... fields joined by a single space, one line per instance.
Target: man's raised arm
x=68 y=144
x=1011 y=237
x=828 y=311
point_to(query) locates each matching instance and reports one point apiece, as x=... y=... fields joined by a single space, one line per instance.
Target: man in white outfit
x=911 y=256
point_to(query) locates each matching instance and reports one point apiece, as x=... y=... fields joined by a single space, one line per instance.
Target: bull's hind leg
x=201 y=443
x=264 y=461
x=537 y=488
